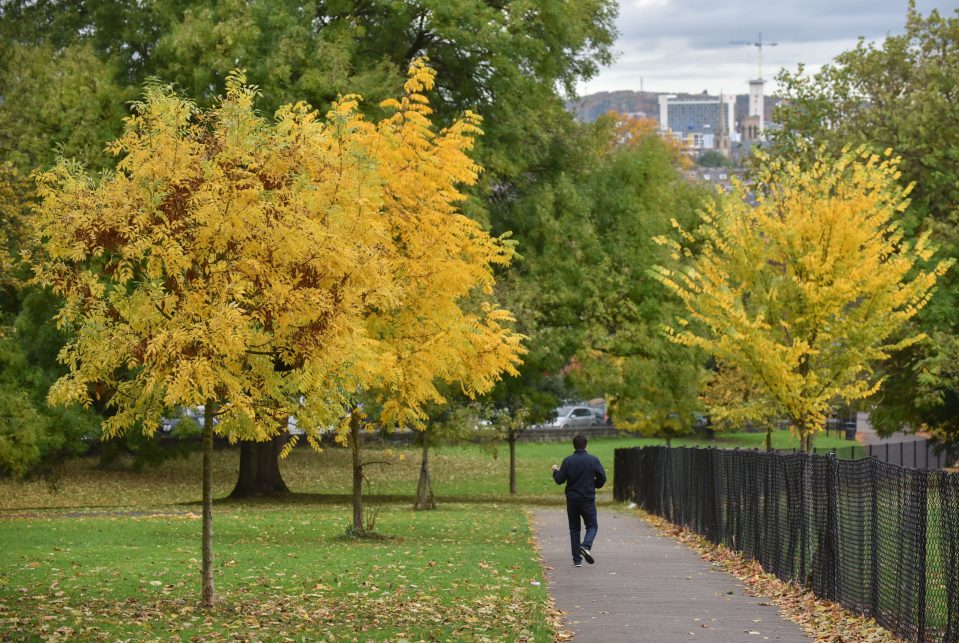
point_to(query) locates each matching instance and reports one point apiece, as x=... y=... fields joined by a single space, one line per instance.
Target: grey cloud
x=707 y=24
x=684 y=45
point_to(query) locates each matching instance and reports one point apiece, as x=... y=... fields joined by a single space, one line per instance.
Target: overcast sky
x=684 y=45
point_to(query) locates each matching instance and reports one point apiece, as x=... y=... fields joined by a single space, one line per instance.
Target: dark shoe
x=577 y=564
x=586 y=555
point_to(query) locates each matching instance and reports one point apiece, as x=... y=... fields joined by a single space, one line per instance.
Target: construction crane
x=758 y=44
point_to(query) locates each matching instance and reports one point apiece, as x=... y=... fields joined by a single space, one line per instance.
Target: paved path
x=867 y=435
x=647 y=587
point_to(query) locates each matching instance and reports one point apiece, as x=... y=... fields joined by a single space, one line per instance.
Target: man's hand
x=555 y=467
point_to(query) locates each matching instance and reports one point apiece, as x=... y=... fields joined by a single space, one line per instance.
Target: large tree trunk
x=206 y=572
x=769 y=438
x=358 y=527
x=511 y=437
x=424 y=489
x=260 y=468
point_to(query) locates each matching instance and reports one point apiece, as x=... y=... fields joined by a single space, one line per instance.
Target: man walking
x=583 y=474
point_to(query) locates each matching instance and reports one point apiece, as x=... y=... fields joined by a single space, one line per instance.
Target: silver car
x=571 y=417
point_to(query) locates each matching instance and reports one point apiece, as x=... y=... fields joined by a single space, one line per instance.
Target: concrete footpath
x=647 y=587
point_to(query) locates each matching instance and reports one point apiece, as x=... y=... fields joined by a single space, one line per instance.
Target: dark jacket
x=583 y=474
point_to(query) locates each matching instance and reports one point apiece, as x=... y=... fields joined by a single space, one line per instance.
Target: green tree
x=547 y=212
x=900 y=94
x=582 y=290
x=637 y=190
x=58 y=101
x=806 y=291
x=507 y=60
x=53 y=100
x=712 y=158
x=734 y=403
x=35 y=437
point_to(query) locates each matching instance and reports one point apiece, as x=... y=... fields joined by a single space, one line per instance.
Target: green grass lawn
x=466 y=473
x=113 y=554
x=458 y=573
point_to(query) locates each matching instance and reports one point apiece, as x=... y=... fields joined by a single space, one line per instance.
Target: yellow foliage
x=805 y=292
x=632 y=131
x=276 y=266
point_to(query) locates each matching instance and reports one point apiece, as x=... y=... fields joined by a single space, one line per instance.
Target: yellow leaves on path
x=277 y=266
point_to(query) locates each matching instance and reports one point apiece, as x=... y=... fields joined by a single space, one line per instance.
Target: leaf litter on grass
x=458 y=573
x=410 y=613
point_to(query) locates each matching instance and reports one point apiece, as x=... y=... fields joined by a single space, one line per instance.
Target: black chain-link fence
x=880 y=539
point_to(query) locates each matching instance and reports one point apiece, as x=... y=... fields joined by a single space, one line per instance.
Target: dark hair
x=579 y=441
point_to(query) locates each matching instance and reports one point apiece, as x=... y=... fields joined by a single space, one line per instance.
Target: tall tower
x=664 y=112
x=727 y=123
x=757 y=102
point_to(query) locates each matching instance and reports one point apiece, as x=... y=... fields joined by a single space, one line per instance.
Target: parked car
x=600 y=414
x=571 y=417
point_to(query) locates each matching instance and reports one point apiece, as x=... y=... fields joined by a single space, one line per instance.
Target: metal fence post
x=874 y=537
x=831 y=553
x=667 y=487
x=922 y=482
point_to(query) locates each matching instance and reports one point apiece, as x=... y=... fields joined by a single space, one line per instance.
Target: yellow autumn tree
x=632 y=130
x=243 y=264
x=443 y=327
x=804 y=283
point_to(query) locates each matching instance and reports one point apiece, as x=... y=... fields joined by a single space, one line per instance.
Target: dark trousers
x=585 y=509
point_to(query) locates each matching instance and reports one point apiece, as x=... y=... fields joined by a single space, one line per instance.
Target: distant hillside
x=589 y=108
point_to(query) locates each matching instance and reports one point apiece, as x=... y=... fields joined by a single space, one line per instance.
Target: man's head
x=579 y=441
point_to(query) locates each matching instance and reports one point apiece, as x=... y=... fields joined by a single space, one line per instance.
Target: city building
x=700 y=122
x=721 y=177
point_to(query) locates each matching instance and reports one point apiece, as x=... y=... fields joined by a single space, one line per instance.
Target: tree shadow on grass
x=386 y=499
x=292 y=499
